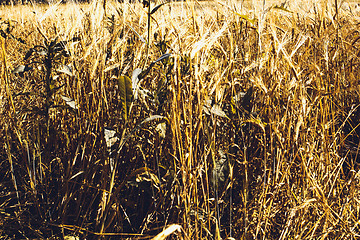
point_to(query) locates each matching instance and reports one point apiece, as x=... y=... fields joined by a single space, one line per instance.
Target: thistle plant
x=49 y=58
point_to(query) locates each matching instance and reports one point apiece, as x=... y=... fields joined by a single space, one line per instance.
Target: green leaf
x=21 y=40
x=247 y=99
x=156 y=8
x=281 y=7
x=3 y=34
x=125 y=94
x=145 y=3
x=29 y=53
x=256 y=121
x=246 y=17
x=162 y=57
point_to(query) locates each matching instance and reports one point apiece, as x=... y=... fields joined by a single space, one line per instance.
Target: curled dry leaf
x=110 y=137
x=21 y=69
x=145 y=174
x=216 y=110
x=152 y=118
x=66 y=69
x=135 y=82
x=161 y=129
x=71 y=238
x=70 y=102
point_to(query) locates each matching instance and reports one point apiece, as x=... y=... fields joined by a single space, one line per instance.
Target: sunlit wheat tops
x=180 y=120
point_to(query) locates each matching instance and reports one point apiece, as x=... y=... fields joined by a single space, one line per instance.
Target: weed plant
x=218 y=120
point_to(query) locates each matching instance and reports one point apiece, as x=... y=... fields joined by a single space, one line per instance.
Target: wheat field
x=180 y=120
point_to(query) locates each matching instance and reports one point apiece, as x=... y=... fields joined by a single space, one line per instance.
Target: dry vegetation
x=264 y=99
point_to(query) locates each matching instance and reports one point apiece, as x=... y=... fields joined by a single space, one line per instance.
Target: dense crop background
x=15 y=2
x=218 y=119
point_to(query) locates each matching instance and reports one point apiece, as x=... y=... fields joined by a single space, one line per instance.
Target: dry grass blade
x=168 y=231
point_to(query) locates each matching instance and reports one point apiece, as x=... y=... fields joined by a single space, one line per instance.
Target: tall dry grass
x=249 y=130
